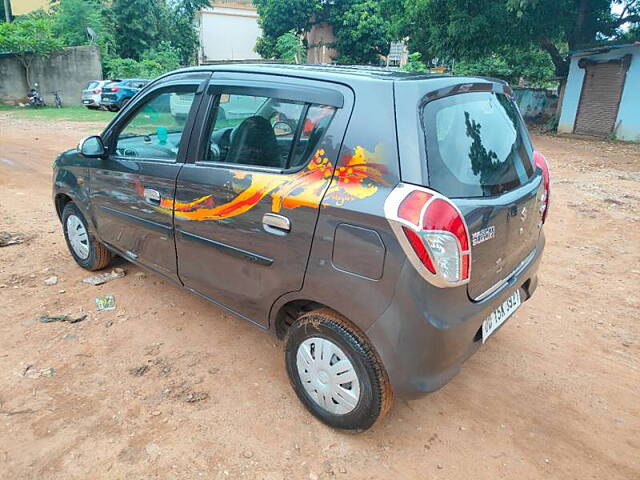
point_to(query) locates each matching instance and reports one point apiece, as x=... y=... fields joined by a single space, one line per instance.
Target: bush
x=415 y=63
x=155 y=62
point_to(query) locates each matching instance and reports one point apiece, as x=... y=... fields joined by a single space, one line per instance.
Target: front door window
x=155 y=129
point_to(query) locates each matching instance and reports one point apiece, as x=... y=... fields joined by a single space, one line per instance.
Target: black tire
x=92 y=107
x=376 y=395
x=99 y=257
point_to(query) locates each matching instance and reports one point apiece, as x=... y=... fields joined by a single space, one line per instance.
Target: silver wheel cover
x=78 y=238
x=327 y=375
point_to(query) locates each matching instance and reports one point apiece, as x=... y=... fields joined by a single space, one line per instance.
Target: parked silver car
x=92 y=93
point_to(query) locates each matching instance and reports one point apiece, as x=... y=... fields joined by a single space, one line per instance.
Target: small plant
x=290 y=49
x=415 y=63
x=551 y=125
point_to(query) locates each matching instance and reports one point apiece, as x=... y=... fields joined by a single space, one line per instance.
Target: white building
x=228 y=32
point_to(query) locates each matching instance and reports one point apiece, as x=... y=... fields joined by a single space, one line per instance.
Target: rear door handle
x=276 y=224
x=152 y=196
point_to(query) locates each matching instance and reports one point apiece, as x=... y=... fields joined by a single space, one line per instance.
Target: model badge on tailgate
x=483 y=235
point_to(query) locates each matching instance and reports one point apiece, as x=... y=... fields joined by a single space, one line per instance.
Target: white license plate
x=500 y=315
x=86 y=101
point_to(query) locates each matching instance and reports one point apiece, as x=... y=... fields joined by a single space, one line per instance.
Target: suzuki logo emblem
x=523 y=214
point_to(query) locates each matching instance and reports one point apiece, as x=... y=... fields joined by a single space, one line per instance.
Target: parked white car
x=92 y=93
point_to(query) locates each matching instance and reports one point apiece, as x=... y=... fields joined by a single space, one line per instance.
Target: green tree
x=278 y=17
x=290 y=49
x=183 y=34
x=362 y=34
x=28 y=38
x=468 y=30
x=533 y=65
x=137 y=25
x=73 y=17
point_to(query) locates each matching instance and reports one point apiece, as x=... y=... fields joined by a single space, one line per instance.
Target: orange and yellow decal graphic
x=357 y=177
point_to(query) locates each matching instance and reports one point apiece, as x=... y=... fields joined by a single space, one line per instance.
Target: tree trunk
x=7 y=11
x=560 y=62
x=26 y=60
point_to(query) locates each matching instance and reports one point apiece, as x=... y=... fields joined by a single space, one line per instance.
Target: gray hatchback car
x=383 y=224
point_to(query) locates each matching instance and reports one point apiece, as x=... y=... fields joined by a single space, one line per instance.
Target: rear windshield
x=476 y=145
x=92 y=85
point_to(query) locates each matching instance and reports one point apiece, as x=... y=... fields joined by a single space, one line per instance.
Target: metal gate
x=600 y=97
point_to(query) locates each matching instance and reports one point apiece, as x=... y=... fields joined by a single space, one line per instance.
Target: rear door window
x=476 y=145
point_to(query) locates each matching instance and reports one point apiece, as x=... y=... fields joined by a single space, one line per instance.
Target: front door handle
x=276 y=224
x=152 y=196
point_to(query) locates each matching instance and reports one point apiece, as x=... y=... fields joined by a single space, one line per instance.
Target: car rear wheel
x=86 y=250
x=336 y=372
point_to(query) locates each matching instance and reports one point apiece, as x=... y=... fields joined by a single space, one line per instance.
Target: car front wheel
x=86 y=250
x=336 y=372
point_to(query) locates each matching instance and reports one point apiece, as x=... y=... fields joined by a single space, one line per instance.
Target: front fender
x=71 y=183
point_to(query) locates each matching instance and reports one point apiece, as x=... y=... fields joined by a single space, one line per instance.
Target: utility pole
x=7 y=10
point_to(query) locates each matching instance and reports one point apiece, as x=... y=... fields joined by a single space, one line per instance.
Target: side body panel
x=225 y=252
x=367 y=169
x=124 y=218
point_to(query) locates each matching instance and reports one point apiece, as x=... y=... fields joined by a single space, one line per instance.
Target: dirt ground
x=169 y=386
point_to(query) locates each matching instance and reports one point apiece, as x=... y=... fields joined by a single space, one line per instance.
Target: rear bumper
x=91 y=100
x=427 y=332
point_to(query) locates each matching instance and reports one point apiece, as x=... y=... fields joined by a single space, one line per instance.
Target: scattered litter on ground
x=109 y=324
x=105 y=277
x=193 y=397
x=106 y=302
x=7 y=239
x=52 y=318
x=77 y=319
x=139 y=371
x=140 y=275
x=61 y=318
x=48 y=372
x=52 y=280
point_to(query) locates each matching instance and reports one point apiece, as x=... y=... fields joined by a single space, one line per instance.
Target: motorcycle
x=35 y=99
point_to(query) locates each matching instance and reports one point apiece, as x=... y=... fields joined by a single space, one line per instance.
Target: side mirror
x=92 y=147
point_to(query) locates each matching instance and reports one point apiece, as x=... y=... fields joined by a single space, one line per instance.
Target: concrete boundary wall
x=69 y=72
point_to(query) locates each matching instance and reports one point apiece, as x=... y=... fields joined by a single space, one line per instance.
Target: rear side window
x=92 y=85
x=476 y=145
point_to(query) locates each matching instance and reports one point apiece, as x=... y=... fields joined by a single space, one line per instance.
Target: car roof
x=335 y=71
x=346 y=74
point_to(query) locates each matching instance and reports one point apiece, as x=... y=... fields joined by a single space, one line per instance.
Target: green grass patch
x=71 y=114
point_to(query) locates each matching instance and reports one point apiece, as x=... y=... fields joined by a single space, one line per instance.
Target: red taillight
x=433 y=234
x=114 y=89
x=411 y=207
x=418 y=247
x=97 y=90
x=541 y=162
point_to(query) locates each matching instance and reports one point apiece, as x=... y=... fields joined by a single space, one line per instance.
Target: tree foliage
x=468 y=30
x=278 y=17
x=534 y=66
x=415 y=63
x=137 y=25
x=29 y=38
x=155 y=62
x=289 y=48
x=362 y=34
